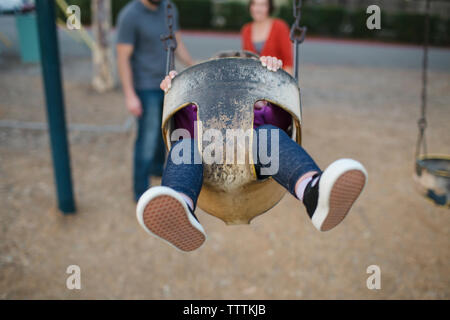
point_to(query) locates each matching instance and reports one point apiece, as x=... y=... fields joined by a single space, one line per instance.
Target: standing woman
x=267 y=36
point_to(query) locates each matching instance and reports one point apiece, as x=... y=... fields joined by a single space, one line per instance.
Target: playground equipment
x=55 y=104
x=432 y=174
x=225 y=91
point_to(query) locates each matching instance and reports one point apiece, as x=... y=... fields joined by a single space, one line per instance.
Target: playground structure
x=231 y=191
x=51 y=73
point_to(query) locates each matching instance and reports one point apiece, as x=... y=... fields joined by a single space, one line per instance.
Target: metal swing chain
x=297 y=34
x=169 y=40
x=422 y=123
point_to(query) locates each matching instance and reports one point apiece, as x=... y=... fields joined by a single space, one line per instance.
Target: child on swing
x=167 y=211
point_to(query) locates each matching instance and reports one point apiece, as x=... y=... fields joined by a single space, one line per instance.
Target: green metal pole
x=55 y=103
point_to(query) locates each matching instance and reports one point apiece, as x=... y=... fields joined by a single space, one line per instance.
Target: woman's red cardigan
x=278 y=43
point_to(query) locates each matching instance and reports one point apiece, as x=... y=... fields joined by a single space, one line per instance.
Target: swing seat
x=432 y=178
x=225 y=91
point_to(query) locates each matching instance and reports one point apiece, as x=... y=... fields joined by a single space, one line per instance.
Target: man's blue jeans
x=294 y=162
x=149 y=150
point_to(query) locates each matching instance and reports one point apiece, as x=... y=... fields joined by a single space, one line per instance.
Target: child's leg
x=185 y=178
x=167 y=211
x=294 y=163
x=327 y=195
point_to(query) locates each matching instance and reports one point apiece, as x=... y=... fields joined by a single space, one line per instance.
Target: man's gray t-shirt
x=142 y=28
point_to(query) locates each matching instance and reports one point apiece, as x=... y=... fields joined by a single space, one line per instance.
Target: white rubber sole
x=164 y=214
x=339 y=186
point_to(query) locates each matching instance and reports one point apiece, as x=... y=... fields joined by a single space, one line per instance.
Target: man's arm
x=181 y=51
x=124 y=52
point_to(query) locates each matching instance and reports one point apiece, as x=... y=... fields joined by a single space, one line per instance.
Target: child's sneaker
x=163 y=213
x=331 y=197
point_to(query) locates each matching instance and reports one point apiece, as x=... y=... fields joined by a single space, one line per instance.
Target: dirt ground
x=364 y=113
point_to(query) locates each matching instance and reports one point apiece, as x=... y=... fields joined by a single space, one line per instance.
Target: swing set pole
x=51 y=75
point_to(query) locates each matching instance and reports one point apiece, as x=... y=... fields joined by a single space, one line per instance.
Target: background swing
x=232 y=192
x=432 y=174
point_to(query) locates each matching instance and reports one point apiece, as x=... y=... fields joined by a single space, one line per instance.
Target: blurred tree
x=102 y=55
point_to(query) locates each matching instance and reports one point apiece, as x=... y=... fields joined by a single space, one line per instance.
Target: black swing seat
x=432 y=177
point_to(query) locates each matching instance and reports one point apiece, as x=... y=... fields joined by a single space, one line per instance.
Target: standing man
x=141 y=61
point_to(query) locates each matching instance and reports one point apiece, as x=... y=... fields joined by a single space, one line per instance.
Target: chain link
x=169 y=40
x=422 y=123
x=297 y=33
